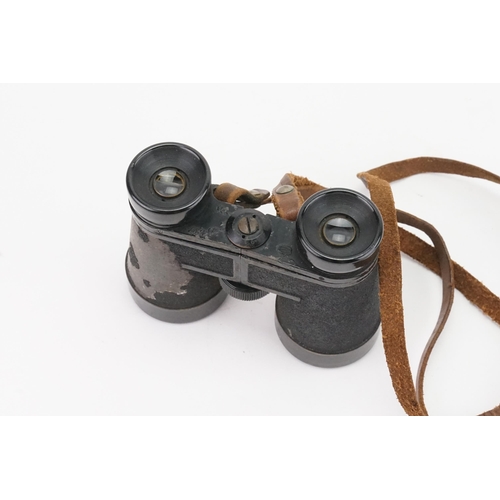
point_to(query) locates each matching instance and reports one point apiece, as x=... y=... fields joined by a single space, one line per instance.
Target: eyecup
x=354 y=259
x=147 y=203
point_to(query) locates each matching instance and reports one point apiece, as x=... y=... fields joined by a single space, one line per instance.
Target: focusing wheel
x=240 y=291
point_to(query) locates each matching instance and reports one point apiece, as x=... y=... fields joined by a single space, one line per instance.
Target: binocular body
x=188 y=251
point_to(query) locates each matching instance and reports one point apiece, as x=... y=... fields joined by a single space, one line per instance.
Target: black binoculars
x=189 y=250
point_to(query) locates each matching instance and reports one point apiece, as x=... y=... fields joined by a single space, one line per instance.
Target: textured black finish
x=329 y=320
x=322 y=360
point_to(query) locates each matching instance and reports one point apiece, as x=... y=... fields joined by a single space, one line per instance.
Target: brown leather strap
x=445 y=270
x=391 y=304
x=406 y=168
x=377 y=181
x=470 y=287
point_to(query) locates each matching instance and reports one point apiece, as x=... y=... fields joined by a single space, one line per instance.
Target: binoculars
x=189 y=250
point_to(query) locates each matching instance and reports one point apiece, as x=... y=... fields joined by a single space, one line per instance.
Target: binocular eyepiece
x=189 y=250
x=166 y=182
x=340 y=231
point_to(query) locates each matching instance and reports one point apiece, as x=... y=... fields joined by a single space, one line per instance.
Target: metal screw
x=286 y=188
x=248 y=225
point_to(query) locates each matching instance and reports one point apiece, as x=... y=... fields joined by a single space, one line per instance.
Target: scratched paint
x=153 y=267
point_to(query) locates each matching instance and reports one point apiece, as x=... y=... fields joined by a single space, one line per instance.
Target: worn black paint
x=132 y=257
x=175 y=262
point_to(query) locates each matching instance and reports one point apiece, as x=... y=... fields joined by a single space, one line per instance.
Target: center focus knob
x=240 y=291
x=248 y=228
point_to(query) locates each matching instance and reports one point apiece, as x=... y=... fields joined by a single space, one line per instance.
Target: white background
x=72 y=341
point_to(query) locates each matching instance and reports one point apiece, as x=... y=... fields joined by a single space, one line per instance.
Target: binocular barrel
x=188 y=251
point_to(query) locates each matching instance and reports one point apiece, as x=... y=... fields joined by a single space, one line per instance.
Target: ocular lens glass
x=339 y=230
x=169 y=183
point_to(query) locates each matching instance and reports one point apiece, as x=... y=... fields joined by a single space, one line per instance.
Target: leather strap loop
x=249 y=199
x=290 y=193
